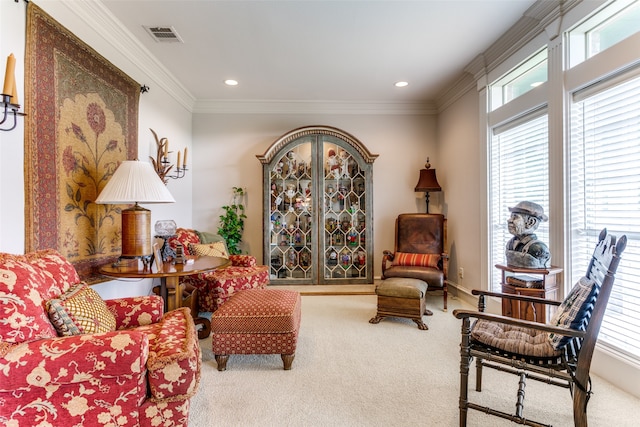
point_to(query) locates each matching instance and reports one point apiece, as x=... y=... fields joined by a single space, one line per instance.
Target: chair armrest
x=386 y=256
x=53 y=362
x=467 y=314
x=515 y=297
x=243 y=260
x=136 y=311
x=174 y=357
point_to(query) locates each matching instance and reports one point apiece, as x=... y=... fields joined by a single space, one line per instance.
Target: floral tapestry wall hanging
x=82 y=122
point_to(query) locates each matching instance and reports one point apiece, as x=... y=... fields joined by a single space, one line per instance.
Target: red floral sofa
x=217 y=286
x=140 y=369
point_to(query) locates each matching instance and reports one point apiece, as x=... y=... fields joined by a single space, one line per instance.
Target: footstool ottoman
x=402 y=297
x=257 y=321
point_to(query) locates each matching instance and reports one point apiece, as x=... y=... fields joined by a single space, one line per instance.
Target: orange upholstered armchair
x=420 y=251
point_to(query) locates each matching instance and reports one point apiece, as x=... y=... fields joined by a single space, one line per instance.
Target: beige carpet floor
x=348 y=372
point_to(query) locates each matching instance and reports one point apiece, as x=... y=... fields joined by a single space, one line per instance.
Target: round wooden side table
x=169 y=274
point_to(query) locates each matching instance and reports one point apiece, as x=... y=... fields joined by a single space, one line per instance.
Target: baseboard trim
x=329 y=289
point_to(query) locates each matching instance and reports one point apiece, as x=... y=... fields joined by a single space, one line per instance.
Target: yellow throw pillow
x=80 y=310
x=218 y=249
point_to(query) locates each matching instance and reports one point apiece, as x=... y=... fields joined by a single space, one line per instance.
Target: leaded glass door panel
x=317 y=204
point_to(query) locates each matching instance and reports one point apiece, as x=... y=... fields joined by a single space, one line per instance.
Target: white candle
x=179 y=159
x=185 y=157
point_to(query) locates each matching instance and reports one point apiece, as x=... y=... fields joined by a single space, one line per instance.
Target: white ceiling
x=301 y=50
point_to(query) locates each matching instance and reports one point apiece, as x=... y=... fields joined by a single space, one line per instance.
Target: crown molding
x=455 y=91
x=534 y=21
x=107 y=26
x=232 y=106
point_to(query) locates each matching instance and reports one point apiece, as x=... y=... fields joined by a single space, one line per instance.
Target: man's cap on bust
x=530 y=208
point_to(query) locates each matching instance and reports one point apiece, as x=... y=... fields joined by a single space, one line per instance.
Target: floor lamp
x=427 y=181
x=132 y=183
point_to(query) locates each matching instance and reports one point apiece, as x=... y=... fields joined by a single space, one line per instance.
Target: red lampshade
x=428 y=181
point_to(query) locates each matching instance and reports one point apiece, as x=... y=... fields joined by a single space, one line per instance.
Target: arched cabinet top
x=358 y=146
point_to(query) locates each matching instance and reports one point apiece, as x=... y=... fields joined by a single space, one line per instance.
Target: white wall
x=227 y=145
x=158 y=111
x=460 y=157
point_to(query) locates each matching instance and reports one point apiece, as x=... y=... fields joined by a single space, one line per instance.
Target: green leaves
x=232 y=222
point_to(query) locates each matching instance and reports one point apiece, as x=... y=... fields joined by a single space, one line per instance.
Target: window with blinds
x=519 y=170
x=605 y=192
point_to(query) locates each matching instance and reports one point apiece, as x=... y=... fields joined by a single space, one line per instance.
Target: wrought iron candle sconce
x=9 y=110
x=9 y=102
x=162 y=164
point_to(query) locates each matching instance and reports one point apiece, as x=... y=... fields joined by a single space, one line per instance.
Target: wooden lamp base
x=136 y=232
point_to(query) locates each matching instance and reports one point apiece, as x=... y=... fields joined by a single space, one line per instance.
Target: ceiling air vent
x=164 y=34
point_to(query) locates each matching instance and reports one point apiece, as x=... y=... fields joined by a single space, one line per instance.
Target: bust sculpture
x=524 y=249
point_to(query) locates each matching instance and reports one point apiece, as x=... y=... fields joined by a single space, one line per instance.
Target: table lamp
x=135 y=182
x=427 y=181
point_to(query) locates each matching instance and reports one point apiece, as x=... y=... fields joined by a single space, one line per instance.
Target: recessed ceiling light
x=231 y=82
x=401 y=84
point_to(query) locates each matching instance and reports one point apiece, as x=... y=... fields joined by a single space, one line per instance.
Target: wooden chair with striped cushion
x=420 y=251
x=557 y=353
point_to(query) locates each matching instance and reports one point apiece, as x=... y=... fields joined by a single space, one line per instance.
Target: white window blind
x=605 y=192
x=519 y=170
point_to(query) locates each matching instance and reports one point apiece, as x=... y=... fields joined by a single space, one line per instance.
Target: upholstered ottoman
x=402 y=297
x=257 y=321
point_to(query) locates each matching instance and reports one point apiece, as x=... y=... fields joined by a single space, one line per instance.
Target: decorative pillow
x=418 y=260
x=218 y=249
x=572 y=312
x=80 y=310
x=207 y=237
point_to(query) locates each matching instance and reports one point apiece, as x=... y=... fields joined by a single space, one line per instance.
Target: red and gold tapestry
x=82 y=121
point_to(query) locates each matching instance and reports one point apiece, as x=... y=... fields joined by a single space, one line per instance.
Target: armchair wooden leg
x=204 y=327
x=465 y=360
x=478 y=374
x=444 y=293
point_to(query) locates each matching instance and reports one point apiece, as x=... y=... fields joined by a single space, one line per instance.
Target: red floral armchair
x=217 y=286
x=139 y=369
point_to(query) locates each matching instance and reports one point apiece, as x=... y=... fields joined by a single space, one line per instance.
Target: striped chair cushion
x=418 y=260
x=513 y=339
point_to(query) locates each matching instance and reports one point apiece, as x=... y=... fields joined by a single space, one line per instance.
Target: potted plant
x=232 y=222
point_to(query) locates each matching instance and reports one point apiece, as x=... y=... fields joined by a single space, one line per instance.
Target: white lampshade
x=135 y=182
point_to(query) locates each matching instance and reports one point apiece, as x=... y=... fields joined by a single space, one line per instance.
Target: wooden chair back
x=420 y=233
x=602 y=269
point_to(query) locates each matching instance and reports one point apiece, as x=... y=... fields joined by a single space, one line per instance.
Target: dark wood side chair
x=419 y=234
x=558 y=353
